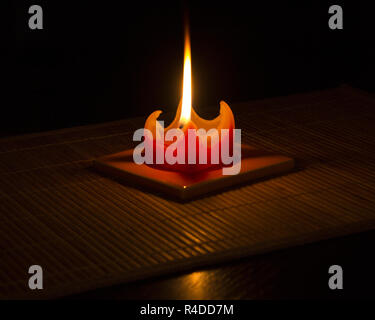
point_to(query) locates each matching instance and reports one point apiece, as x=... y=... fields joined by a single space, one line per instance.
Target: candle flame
x=186 y=85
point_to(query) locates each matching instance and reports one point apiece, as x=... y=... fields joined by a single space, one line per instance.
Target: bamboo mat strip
x=87 y=231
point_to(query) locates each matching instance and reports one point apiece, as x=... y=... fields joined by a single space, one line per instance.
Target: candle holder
x=185 y=180
x=255 y=164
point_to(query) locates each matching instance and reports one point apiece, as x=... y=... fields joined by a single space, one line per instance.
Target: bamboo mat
x=88 y=231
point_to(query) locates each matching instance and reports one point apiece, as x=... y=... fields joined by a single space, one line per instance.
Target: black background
x=100 y=61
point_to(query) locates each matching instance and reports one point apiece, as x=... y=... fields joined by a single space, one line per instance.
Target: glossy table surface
x=295 y=273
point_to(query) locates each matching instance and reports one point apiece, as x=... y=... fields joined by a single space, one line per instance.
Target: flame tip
x=186 y=84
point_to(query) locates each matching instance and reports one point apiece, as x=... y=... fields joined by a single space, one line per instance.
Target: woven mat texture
x=88 y=231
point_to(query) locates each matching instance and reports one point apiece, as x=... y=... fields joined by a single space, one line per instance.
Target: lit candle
x=193 y=135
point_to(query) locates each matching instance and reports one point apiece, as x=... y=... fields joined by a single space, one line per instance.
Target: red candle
x=182 y=146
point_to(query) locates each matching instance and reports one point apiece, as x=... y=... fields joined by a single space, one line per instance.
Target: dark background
x=101 y=61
